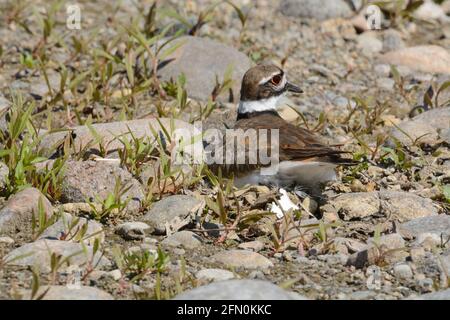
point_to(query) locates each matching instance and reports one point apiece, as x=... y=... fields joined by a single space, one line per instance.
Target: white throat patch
x=259 y=105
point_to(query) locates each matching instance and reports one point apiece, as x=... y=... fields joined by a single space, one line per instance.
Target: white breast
x=259 y=105
x=292 y=173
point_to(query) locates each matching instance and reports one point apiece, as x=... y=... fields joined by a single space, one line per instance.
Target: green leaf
x=172 y=13
x=109 y=202
x=443 y=87
x=446 y=191
x=241 y=15
x=6 y=152
x=103 y=53
x=129 y=68
x=35 y=283
x=37 y=160
x=396 y=75
x=78 y=79
x=170 y=50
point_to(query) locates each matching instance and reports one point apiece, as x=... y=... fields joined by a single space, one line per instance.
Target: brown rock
x=426 y=128
x=357 y=205
x=90 y=179
x=39 y=254
x=427 y=58
x=401 y=206
x=243 y=258
x=404 y=206
x=21 y=207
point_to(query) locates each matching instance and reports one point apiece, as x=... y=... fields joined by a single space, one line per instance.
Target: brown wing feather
x=295 y=143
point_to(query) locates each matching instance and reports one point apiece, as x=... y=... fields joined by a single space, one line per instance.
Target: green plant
x=154 y=50
x=20 y=142
x=137 y=264
x=174 y=285
x=135 y=152
x=398 y=11
x=99 y=140
x=204 y=17
x=35 y=286
x=26 y=60
x=169 y=176
x=397 y=156
x=113 y=204
x=49 y=179
x=281 y=232
x=431 y=100
x=446 y=192
x=365 y=115
x=40 y=221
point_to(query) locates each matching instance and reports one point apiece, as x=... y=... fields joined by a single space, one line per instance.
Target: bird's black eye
x=276 y=80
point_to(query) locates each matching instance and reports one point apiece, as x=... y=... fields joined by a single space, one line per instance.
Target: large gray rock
x=69 y=293
x=437 y=225
x=316 y=9
x=387 y=247
x=348 y=245
x=134 y=230
x=239 y=290
x=426 y=58
x=185 y=239
x=39 y=254
x=405 y=206
x=403 y=271
x=401 y=206
x=167 y=210
x=427 y=128
x=20 y=208
x=356 y=205
x=242 y=259
x=90 y=179
x=203 y=60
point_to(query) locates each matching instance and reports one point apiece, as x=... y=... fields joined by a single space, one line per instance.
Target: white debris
x=285 y=205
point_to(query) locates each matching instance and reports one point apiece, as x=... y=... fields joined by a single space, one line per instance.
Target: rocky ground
x=92 y=207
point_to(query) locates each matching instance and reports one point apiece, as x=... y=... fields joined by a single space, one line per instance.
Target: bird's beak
x=293 y=88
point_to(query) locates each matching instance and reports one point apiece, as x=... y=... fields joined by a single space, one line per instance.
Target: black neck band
x=247 y=115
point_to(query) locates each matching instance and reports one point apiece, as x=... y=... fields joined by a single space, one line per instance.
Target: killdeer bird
x=304 y=160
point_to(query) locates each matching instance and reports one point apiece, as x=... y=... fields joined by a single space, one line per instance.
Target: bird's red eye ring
x=276 y=80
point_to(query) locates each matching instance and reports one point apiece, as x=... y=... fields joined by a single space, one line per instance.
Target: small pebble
x=115 y=274
x=6 y=240
x=425 y=285
x=403 y=271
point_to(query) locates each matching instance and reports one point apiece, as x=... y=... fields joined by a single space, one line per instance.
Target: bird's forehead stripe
x=265 y=79
x=283 y=82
